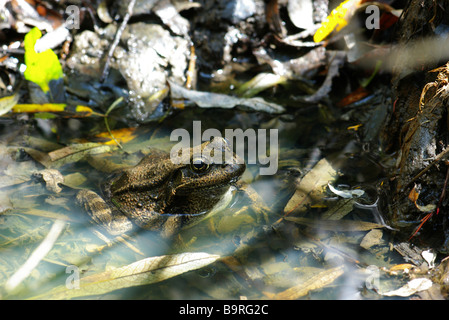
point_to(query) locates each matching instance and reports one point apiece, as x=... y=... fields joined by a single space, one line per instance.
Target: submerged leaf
x=142 y=272
x=310 y=188
x=372 y=238
x=52 y=178
x=318 y=281
x=77 y=151
x=336 y=225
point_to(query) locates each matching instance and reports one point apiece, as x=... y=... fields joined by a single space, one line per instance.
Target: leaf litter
x=308 y=204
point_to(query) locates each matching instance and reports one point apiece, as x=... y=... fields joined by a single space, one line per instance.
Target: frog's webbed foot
x=102 y=214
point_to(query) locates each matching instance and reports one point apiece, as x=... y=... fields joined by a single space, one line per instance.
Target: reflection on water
x=263 y=255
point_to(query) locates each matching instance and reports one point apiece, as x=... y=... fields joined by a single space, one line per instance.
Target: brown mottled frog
x=158 y=194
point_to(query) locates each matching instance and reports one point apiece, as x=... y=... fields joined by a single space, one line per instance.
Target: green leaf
x=41 y=67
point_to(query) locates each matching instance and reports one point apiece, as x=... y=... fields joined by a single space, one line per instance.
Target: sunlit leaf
x=413 y=197
x=76 y=111
x=412 y=287
x=41 y=67
x=337 y=20
x=142 y=272
x=259 y=83
x=401 y=267
x=301 y=13
x=7 y=103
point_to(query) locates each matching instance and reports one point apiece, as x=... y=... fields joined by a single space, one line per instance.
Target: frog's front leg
x=108 y=216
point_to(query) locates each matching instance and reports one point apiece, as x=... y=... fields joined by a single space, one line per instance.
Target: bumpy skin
x=158 y=194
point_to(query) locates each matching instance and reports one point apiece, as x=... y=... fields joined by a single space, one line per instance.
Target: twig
x=112 y=107
x=118 y=35
x=191 y=68
x=38 y=254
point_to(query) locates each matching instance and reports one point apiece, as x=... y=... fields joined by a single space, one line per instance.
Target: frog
x=163 y=195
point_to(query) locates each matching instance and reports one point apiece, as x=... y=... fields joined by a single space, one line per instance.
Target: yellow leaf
x=77 y=111
x=7 y=103
x=123 y=135
x=337 y=20
x=41 y=67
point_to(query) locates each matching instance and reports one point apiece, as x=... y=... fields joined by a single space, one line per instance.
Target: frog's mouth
x=222 y=204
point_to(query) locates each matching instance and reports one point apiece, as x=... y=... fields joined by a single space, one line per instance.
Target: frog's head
x=212 y=165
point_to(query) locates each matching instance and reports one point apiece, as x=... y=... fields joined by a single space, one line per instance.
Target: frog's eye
x=199 y=164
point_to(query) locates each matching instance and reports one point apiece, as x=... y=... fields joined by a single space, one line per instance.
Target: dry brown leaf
x=310 y=188
x=78 y=150
x=52 y=178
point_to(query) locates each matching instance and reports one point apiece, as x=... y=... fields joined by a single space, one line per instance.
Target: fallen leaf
x=301 y=13
x=372 y=238
x=73 y=110
x=123 y=135
x=346 y=194
x=74 y=180
x=77 y=151
x=259 y=83
x=402 y=267
x=354 y=96
x=217 y=100
x=412 y=287
x=318 y=281
x=429 y=256
x=337 y=19
x=310 y=188
x=7 y=103
x=413 y=195
x=142 y=272
x=41 y=67
x=335 y=225
x=52 y=178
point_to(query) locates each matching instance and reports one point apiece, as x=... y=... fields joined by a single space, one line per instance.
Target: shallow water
x=262 y=256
